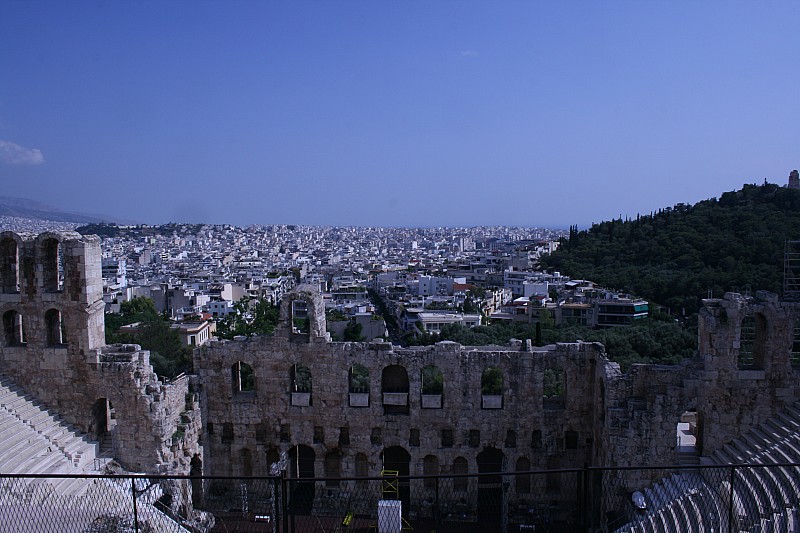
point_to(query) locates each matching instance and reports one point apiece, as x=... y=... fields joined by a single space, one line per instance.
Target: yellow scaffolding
x=390 y=490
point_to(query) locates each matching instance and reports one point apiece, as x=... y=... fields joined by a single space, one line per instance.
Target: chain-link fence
x=750 y=498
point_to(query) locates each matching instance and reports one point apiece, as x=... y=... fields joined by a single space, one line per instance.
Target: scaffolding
x=791 y=271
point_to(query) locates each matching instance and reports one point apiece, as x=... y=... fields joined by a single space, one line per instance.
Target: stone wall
x=53 y=345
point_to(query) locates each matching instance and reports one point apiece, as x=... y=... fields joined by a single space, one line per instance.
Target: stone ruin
x=53 y=345
x=353 y=409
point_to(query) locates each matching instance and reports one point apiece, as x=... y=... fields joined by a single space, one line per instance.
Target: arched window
x=553 y=389
x=752 y=342
x=362 y=468
x=246 y=460
x=430 y=467
x=301 y=385
x=9 y=266
x=432 y=387
x=54 y=327
x=333 y=468
x=52 y=265
x=492 y=388
x=522 y=482
x=13 y=328
x=358 y=386
x=243 y=377
x=460 y=466
x=394 y=386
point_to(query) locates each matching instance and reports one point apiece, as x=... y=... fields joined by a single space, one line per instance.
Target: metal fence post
x=437 y=511
x=284 y=503
x=135 y=510
x=730 y=501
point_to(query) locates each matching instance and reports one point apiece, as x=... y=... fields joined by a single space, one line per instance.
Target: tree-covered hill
x=676 y=256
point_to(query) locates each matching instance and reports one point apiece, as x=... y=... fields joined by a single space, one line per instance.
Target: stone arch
x=246 y=462
x=553 y=388
x=14 y=328
x=302 y=461
x=310 y=305
x=50 y=254
x=358 y=386
x=358 y=379
x=752 y=342
x=300 y=379
x=490 y=487
x=460 y=467
x=243 y=378
x=361 y=469
x=103 y=422
x=522 y=481
x=332 y=468
x=54 y=328
x=273 y=457
x=9 y=262
x=492 y=388
x=395 y=387
x=432 y=380
x=396 y=463
x=430 y=467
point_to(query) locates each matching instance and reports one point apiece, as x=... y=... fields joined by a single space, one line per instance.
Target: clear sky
x=412 y=113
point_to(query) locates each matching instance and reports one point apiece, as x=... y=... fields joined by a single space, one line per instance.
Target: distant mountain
x=681 y=254
x=24 y=208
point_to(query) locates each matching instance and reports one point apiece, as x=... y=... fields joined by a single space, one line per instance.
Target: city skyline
x=356 y=114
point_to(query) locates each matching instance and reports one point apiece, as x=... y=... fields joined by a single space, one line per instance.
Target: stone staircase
x=34 y=440
x=765 y=499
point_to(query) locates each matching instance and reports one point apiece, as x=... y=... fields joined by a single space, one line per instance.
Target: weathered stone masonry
x=53 y=344
x=257 y=400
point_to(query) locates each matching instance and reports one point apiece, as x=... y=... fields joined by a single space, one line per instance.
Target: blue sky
x=394 y=113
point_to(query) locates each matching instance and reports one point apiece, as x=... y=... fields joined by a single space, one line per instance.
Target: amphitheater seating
x=764 y=499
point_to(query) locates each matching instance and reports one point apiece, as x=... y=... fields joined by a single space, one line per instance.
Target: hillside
x=676 y=256
x=24 y=208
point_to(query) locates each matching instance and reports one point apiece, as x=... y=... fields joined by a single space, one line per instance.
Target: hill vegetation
x=679 y=255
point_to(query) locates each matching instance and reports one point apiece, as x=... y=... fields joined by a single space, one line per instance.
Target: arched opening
x=490 y=487
x=301 y=323
x=522 y=482
x=300 y=376
x=688 y=441
x=395 y=472
x=54 y=327
x=492 y=388
x=301 y=465
x=430 y=467
x=13 y=328
x=460 y=467
x=358 y=386
x=246 y=462
x=394 y=387
x=333 y=468
x=52 y=265
x=104 y=420
x=752 y=342
x=553 y=388
x=273 y=461
x=243 y=378
x=195 y=472
x=361 y=469
x=9 y=266
x=432 y=387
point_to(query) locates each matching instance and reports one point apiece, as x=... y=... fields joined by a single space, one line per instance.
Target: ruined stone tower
x=53 y=344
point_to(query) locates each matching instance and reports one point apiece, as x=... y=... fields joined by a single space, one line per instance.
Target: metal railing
x=709 y=498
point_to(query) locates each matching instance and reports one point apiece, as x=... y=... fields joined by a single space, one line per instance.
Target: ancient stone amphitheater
x=69 y=403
